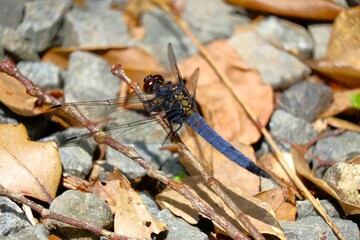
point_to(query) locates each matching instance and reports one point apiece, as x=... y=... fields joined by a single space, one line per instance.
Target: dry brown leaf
x=303 y=169
x=341 y=102
x=132 y=218
x=31 y=168
x=14 y=96
x=276 y=198
x=307 y=9
x=260 y=213
x=342 y=60
x=220 y=109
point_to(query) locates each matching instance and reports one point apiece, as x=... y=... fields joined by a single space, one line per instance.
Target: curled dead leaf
x=31 y=168
x=307 y=9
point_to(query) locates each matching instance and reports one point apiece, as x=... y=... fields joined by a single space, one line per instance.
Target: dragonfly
x=173 y=101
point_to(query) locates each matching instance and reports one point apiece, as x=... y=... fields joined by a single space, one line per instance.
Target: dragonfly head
x=150 y=81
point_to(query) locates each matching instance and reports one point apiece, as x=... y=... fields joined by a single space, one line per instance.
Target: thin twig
x=45 y=213
x=199 y=206
x=227 y=83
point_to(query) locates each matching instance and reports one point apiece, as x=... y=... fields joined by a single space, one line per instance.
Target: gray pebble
x=94 y=28
x=306 y=209
x=33 y=232
x=14 y=43
x=306 y=100
x=196 y=13
x=158 y=23
x=293 y=129
x=76 y=161
x=150 y=203
x=44 y=75
x=277 y=68
x=338 y=148
x=288 y=35
x=41 y=22
x=149 y=152
x=12 y=218
x=178 y=229
x=89 y=78
x=86 y=207
x=11 y=13
x=311 y=228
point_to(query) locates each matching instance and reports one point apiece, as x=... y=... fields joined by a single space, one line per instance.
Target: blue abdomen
x=198 y=124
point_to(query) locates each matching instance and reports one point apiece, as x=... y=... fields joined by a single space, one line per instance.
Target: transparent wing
x=99 y=112
x=191 y=85
x=174 y=67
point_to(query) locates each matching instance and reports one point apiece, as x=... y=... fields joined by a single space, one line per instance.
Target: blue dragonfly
x=173 y=101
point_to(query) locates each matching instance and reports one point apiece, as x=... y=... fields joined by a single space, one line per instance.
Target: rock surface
x=41 y=22
x=86 y=207
x=178 y=229
x=89 y=78
x=94 y=29
x=277 y=68
x=12 y=218
x=306 y=100
x=290 y=128
x=287 y=35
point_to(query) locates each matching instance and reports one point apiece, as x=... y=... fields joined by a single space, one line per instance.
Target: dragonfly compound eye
x=150 y=81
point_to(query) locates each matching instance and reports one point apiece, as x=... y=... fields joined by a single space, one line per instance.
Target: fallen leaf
x=14 y=96
x=342 y=61
x=276 y=198
x=303 y=169
x=220 y=109
x=307 y=9
x=132 y=218
x=31 y=168
x=259 y=213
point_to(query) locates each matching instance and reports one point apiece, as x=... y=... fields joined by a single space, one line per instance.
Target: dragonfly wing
x=173 y=65
x=191 y=85
x=99 y=112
